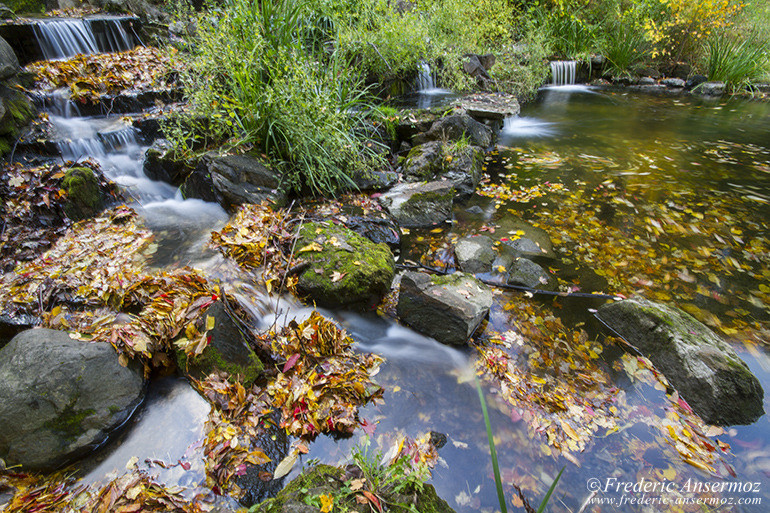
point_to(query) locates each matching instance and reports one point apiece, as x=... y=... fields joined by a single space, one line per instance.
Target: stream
x=624 y=157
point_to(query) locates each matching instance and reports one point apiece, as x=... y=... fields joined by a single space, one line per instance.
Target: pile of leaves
x=90 y=77
x=553 y=379
x=239 y=418
x=323 y=382
x=32 y=209
x=94 y=264
x=260 y=239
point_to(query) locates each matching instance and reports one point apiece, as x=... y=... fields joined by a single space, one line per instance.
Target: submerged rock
x=448 y=308
x=522 y=271
x=475 y=254
x=705 y=370
x=228 y=351
x=415 y=205
x=60 y=398
x=522 y=239
x=342 y=268
x=160 y=163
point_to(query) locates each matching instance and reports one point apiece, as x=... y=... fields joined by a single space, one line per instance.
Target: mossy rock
x=344 y=268
x=26 y=6
x=303 y=492
x=16 y=112
x=84 y=196
x=227 y=351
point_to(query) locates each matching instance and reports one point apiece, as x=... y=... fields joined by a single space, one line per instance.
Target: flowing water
x=624 y=164
x=563 y=72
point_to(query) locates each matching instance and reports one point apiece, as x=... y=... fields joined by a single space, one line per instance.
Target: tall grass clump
x=624 y=46
x=736 y=61
x=262 y=75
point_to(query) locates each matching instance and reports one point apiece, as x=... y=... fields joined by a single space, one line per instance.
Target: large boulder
x=9 y=64
x=705 y=370
x=161 y=163
x=448 y=308
x=84 y=195
x=457 y=127
x=421 y=204
x=234 y=180
x=60 y=398
x=342 y=268
x=228 y=350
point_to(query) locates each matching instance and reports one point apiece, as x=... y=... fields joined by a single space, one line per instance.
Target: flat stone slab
x=496 y=106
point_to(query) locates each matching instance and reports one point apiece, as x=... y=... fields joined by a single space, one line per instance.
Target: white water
x=563 y=72
x=522 y=126
x=64 y=38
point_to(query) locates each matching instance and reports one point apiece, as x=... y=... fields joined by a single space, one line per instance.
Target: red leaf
x=290 y=362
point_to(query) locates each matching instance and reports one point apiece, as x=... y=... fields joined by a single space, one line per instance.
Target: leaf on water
x=285 y=466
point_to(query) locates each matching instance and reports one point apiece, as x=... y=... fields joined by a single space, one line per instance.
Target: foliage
x=33 y=209
x=90 y=77
x=259 y=72
x=736 y=61
x=624 y=45
x=323 y=382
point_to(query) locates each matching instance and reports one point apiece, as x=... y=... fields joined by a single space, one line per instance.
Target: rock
x=522 y=271
x=415 y=205
x=377 y=227
x=348 y=269
x=472 y=66
x=694 y=81
x=160 y=163
x=464 y=169
x=424 y=161
x=373 y=180
x=710 y=89
x=12 y=325
x=648 y=73
x=680 y=70
x=276 y=445
x=448 y=308
x=416 y=122
x=458 y=127
x=460 y=164
x=9 y=64
x=674 y=83
x=227 y=351
x=490 y=106
x=646 y=81
x=537 y=245
x=61 y=397
x=705 y=370
x=233 y=180
x=16 y=113
x=475 y=254
x=84 y=196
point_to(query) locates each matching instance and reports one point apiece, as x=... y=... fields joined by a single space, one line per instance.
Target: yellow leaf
x=568 y=429
x=327 y=501
x=313 y=246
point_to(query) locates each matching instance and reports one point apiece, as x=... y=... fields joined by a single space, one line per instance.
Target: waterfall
x=424 y=78
x=64 y=38
x=563 y=72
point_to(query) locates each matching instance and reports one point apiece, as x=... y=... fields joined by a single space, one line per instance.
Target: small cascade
x=60 y=39
x=563 y=72
x=425 y=78
x=64 y=38
x=522 y=126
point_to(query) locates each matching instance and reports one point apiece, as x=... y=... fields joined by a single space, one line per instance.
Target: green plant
x=259 y=73
x=624 y=45
x=736 y=61
x=496 y=467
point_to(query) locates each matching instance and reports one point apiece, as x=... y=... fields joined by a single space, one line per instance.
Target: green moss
x=84 y=198
x=70 y=421
x=314 y=477
x=211 y=360
x=417 y=202
x=366 y=268
x=26 y=6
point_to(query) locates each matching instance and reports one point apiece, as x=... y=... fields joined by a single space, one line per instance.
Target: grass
x=736 y=61
x=624 y=45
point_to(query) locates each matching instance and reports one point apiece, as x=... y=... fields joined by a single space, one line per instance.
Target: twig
x=587 y=502
x=381 y=56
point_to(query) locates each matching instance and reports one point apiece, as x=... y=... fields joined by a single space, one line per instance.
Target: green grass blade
x=547 y=497
x=492 y=451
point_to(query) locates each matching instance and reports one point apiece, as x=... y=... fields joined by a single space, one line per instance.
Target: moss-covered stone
x=344 y=268
x=70 y=421
x=84 y=197
x=26 y=6
x=227 y=351
x=16 y=112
